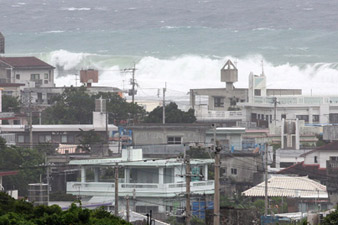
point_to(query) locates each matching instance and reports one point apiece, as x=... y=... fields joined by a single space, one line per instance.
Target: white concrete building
x=153 y=184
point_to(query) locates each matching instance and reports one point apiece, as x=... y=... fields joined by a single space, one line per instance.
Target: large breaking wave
x=184 y=72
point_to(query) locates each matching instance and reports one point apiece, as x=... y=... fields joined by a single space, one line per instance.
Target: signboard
x=6 y=115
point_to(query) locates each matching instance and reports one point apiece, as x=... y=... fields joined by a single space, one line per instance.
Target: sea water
x=181 y=42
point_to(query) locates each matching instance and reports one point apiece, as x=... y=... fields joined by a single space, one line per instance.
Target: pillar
x=83 y=174
x=205 y=172
x=310 y=115
x=297 y=135
x=161 y=175
x=126 y=175
x=96 y=174
x=282 y=134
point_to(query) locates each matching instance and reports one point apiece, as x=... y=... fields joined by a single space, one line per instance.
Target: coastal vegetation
x=22 y=212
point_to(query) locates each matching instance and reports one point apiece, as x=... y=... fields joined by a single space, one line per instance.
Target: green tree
x=172 y=115
x=20 y=212
x=88 y=139
x=331 y=219
x=10 y=104
x=120 y=110
x=73 y=106
x=25 y=160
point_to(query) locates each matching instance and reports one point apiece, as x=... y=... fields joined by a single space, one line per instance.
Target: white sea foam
x=76 y=9
x=191 y=71
x=53 y=31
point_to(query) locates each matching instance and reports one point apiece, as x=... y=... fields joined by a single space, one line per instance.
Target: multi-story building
x=157 y=185
x=221 y=104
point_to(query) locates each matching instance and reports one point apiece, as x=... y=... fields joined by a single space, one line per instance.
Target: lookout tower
x=2 y=44
x=229 y=75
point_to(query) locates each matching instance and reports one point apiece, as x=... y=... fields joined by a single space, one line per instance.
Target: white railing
x=298 y=100
x=141 y=189
x=202 y=113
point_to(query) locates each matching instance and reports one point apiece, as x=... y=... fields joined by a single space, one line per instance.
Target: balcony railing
x=141 y=189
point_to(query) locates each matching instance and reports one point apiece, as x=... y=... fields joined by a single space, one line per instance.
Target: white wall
x=25 y=77
x=322 y=157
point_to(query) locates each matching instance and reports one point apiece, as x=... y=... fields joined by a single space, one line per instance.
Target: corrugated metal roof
x=294 y=187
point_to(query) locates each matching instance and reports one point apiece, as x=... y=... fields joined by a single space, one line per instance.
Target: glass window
x=48 y=138
x=18 y=76
x=233 y=171
x=174 y=140
x=303 y=117
x=315 y=118
x=218 y=101
x=46 y=76
x=35 y=77
x=64 y=139
x=257 y=92
x=21 y=138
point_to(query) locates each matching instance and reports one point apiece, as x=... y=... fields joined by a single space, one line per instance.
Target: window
x=46 y=81
x=35 y=77
x=315 y=159
x=218 y=101
x=315 y=118
x=233 y=171
x=21 y=138
x=46 y=76
x=333 y=158
x=174 y=140
x=283 y=116
x=303 y=117
x=18 y=76
x=64 y=139
x=257 y=92
x=45 y=138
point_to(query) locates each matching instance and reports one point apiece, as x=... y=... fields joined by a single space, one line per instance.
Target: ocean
x=183 y=43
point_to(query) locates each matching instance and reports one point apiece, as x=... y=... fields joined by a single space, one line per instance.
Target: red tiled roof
x=24 y=62
x=301 y=169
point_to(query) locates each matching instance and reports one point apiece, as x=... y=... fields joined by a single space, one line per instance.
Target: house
x=301 y=193
x=30 y=71
x=229 y=138
x=152 y=184
x=53 y=135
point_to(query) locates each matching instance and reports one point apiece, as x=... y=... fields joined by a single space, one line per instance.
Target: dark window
x=174 y=140
x=315 y=118
x=233 y=171
x=18 y=76
x=303 y=117
x=315 y=159
x=257 y=92
x=283 y=116
x=35 y=77
x=333 y=117
x=218 y=101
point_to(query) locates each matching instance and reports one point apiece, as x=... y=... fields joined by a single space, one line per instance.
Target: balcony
x=140 y=189
x=202 y=113
x=38 y=83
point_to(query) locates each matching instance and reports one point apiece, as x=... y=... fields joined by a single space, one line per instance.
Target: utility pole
x=116 y=208
x=133 y=83
x=47 y=174
x=164 y=90
x=275 y=102
x=187 y=181
x=217 y=172
x=266 y=180
x=127 y=208
x=30 y=123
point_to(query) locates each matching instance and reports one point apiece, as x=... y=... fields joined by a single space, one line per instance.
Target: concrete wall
x=322 y=157
x=158 y=134
x=25 y=77
x=247 y=165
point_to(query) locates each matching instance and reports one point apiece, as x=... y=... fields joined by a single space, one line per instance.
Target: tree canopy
x=172 y=115
x=23 y=159
x=24 y=213
x=75 y=106
x=10 y=104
